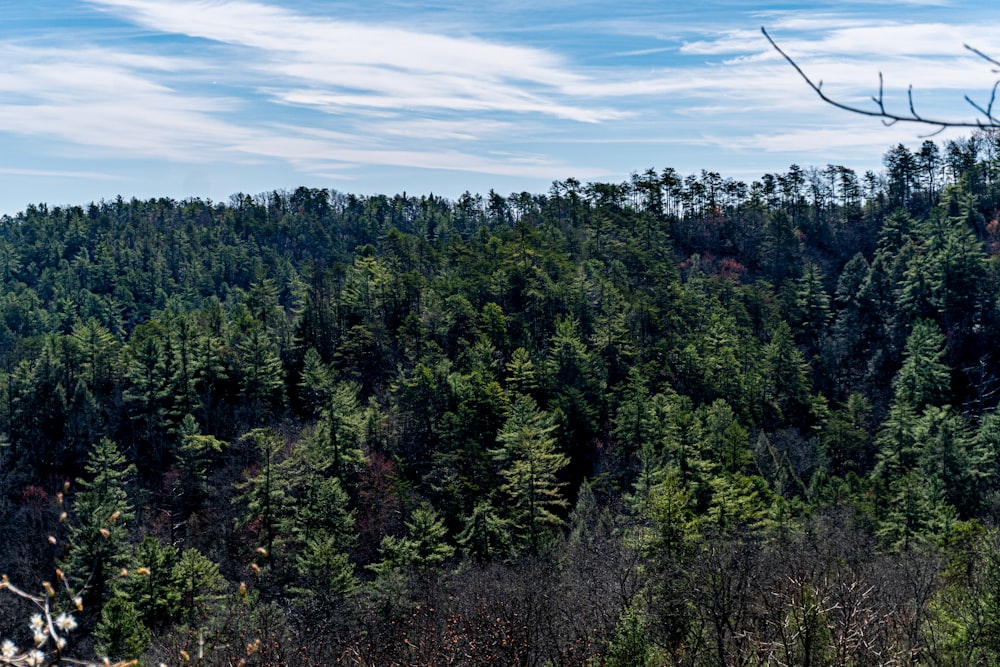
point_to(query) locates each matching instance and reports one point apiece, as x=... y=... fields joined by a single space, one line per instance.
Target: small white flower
x=40 y=638
x=35 y=658
x=61 y=642
x=36 y=623
x=8 y=649
x=66 y=622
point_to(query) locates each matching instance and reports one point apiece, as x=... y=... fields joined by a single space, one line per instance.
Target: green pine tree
x=530 y=465
x=98 y=537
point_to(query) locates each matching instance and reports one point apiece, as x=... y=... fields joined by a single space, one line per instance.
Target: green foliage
x=485 y=536
x=200 y=587
x=325 y=569
x=121 y=633
x=671 y=524
x=153 y=588
x=923 y=378
x=263 y=490
x=98 y=535
x=529 y=465
x=706 y=366
x=334 y=447
x=912 y=517
x=846 y=437
x=629 y=647
x=260 y=371
x=423 y=546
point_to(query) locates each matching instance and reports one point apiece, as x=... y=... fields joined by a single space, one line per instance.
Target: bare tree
x=988 y=118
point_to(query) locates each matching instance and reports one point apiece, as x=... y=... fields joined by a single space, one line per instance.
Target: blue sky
x=193 y=98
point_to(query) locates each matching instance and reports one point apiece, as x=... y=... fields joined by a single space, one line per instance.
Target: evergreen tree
x=924 y=378
x=325 y=570
x=485 y=536
x=264 y=488
x=153 y=588
x=261 y=376
x=811 y=310
x=339 y=430
x=121 y=634
x=629 y=647
x=423 y=546
x=98 y=537
x=530 y=465
x=200 y=587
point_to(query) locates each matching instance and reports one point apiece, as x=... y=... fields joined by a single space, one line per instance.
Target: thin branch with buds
x=989 y=120
x=50 y=631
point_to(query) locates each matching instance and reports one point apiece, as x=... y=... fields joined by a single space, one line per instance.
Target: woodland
x=678 y=420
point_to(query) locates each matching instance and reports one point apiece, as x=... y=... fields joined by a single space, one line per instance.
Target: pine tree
x=530 y=467
x=423 y=546
x=98 y=538
x=340 y=430
x=264 y=488
x=121 y=634
x=155 y=593
x=924 y=378
x=485 y=536
x=261 y=376
x=200 y=587
x=522 y=375
x=325 y=570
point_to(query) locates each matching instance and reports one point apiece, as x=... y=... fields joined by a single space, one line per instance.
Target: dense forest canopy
x=678 y=419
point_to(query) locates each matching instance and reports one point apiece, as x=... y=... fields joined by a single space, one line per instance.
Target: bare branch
x=982 y=55
x=890 y=117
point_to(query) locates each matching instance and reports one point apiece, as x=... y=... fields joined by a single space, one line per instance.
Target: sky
x=208 y=98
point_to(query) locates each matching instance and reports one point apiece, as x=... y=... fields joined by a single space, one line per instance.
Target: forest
x=677 y=420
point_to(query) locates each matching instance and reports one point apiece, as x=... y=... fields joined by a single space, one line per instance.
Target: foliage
x=331 y=429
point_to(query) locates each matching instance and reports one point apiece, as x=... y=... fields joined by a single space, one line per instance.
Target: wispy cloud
x=336 y=63
x=91 y=97
x=50 y=173
x=391 y=95
x=517 y=89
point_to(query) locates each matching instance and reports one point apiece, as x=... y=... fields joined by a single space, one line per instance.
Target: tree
x=121 y=633
x=485 y=536
x=325 y=570
x=195 y=454
x=845 y=437
x=423 y=546
x=787 y=390
x=781 y=253
x=264 y=487
x=200 y=587
x=339 y=433
x=530 y=466
x=913 y=515
x=523 y=376
x=155 y=593
x=629 y=647
x=812 y=307
x=261 y=376
x=148 y=389
x=924 y=378
x=99 y=536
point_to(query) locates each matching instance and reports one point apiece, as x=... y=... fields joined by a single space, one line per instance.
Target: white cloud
x=109 y=104
x=88 y=97
x=51 y=173
x=352 y=64
x=324 y=96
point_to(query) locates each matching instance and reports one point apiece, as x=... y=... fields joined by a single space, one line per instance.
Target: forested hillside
x=681 y=419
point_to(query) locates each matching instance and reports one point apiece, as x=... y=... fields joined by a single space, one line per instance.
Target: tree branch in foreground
x=888 y=117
